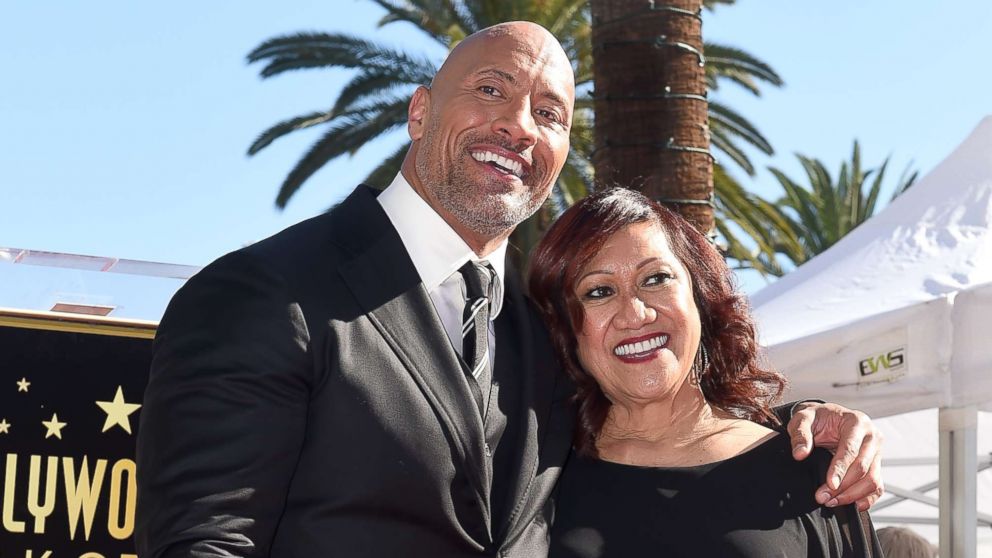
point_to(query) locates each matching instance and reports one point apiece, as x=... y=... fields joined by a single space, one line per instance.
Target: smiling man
x=491 y=133
x=372 y=382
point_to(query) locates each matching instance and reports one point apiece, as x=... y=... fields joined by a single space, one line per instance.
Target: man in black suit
x=325 y=392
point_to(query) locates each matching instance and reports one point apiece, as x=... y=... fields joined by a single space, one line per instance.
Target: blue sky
x=124 y=125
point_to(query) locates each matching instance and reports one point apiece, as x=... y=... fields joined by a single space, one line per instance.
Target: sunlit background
x=125 y=125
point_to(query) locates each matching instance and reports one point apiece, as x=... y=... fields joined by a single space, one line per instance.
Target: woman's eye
x=657 y=279
x=598 y=292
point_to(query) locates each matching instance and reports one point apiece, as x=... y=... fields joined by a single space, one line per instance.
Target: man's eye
x=550 y=115
x=657 y=279
x=598 y=292
x=490 y=90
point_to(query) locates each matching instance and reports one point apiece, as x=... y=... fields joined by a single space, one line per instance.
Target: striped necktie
x=478 y=277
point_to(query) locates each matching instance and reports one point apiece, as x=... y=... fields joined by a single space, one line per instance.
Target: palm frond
x=817 y=215
x=374 y=82
x=566 y=16
x=326 y=50
x=906 y=179
x=825 y=190
x=738 y=66
x=429 y=23
x=721 y=141
x=739 y=126
x=871 y=199
x=800 y=201
x=575 y=181
x=348 y=135
x=382 y=175
x=763 y=223
x=712 y=4
x=482 y=12
x=286 y=126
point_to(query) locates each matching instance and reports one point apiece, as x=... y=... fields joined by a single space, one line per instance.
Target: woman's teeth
x=641 y=346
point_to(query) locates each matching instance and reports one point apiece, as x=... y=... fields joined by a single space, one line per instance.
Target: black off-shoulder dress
x=756 y=504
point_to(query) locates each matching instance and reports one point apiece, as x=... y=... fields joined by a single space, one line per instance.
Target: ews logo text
x=885 y=362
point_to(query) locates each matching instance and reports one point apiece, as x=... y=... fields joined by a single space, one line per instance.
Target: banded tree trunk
x=651 y=128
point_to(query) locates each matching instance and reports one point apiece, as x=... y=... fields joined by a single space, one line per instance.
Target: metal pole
x=958 y=481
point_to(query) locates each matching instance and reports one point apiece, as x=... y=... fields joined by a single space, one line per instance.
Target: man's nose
x=517 y=124
x=635 y=314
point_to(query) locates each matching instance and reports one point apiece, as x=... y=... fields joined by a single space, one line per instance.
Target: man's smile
x=502 y=160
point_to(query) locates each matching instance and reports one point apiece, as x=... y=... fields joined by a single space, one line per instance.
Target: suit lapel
x=514 y=335
x=386 y=285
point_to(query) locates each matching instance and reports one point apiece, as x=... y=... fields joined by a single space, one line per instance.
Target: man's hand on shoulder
x=855 y=473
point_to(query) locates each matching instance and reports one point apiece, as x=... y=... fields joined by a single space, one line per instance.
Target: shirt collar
x=434 y=247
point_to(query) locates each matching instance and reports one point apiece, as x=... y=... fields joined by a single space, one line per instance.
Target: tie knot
x=478 y=278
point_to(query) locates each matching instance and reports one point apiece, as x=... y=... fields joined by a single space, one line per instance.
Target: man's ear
x=417 y=112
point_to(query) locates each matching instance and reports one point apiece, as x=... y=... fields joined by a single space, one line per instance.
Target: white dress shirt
x=438 y=252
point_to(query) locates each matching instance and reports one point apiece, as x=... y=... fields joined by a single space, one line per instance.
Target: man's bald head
x=542 y=45
x=490 y=134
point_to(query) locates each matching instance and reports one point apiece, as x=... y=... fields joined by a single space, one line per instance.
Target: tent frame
x=958 y=428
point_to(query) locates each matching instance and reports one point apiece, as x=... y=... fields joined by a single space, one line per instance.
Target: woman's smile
x=642 y=348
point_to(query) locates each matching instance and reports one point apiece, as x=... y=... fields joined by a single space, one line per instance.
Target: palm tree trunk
x=651 y=128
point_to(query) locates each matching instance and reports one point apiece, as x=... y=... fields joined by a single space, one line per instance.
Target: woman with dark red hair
x=671 y=457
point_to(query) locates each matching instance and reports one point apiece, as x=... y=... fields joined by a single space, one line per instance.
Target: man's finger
x=866 y=503
x=864 y=492
x=852 y=433
x=859 y=467
x=801 y=433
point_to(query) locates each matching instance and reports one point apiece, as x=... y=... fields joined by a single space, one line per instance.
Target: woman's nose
x=635 y=314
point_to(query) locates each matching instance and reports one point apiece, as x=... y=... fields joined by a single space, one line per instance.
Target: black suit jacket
x=304 y=400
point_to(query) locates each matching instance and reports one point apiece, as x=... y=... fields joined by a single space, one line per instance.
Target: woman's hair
x=734 y=381
x=900 y=542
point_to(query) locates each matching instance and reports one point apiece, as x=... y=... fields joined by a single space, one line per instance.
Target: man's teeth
x=641 y=346
x=508 y=165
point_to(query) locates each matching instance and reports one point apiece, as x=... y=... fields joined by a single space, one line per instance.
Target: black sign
x=69 y=409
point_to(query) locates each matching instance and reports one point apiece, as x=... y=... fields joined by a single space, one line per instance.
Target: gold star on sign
x=118 y=411
x=23 y=384
x=54 y=427
x=4 y=426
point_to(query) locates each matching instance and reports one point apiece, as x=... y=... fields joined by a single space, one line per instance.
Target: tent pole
x=958 y=428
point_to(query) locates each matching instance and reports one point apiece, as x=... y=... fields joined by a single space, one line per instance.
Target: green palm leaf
x=287 y=126
x=723 y=116
x=388 y=169
x=720 y=140
x=373 y=82
x=327 y=50
x=810 y=218
x=349 y=133
x=724 y=62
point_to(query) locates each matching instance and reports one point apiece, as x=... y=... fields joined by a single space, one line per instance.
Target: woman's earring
x=699 y=365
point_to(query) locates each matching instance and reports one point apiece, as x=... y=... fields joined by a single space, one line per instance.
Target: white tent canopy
x=916 y=277
x=893 y=317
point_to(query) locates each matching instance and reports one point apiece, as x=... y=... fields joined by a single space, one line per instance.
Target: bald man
x=325 y=392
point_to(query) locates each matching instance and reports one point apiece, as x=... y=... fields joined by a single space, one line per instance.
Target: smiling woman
x=613 y=264
x=670 y=457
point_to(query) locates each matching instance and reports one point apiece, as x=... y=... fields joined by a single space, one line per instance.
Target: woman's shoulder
x=767 y=470
x=774 y=455
x=738 y=437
